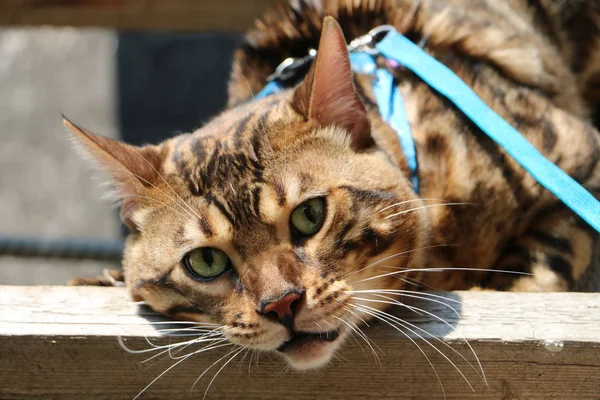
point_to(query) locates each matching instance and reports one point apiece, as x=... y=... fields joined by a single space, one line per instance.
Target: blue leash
x=270 y=88
x=391 y=108
x=396 y=47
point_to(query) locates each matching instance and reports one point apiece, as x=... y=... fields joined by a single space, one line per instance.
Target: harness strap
x=270 y=88
x=398 y=48
x=391 y=108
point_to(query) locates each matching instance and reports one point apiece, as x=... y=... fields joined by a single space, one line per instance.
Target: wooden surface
x=178 y=15
x=61 y=343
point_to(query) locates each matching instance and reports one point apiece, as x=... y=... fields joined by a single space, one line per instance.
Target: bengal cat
x=271 y=218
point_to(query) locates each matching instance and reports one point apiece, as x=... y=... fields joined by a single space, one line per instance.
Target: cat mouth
x=298 y=339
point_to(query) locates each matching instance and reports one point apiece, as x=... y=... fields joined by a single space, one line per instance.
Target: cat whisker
x=175 y=334
x=357 y=316
x=394 y=301
x=207 y=347
x=162 y=374
x=241 y=362
x=208 y=341
x=187 y=329
x=416 y=282
x=162 y=224
x=375 y=293
x=405 y=292
x=403 y=253
x=409 y=338
x=425 y=207
x=178 y=344
x=330 y=325
x=338 y=357
x=281 y=371
x=154 y=200
x=132 y=351
x=406 y=325
x=219 y=371
x=284 y=371
x=183 y=358
x=258 y=353
x=421 y=312
x=244 y=276
x=216 y=337
x=441 y=269
x=155 y=187
x=404 y=279
x=196 y=324
x=209 y=334
x=411 y=201
x=353 y=334
x=411 y=308
x=250 y=361
x=170 y=187
x=249 y=87
x=236 y=347
x=161 y=347
x=361 y=334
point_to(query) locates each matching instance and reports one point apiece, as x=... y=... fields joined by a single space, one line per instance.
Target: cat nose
x=283 y=307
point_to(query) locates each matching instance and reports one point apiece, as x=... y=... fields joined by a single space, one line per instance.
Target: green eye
x=308 y=217
x=206 y=262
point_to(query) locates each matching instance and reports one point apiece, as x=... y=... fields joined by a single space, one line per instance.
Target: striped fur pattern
x=233 y=183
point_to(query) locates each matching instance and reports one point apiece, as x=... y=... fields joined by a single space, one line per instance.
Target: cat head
x=271 y=219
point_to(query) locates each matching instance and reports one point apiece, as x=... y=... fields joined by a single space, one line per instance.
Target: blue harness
x=398 y=49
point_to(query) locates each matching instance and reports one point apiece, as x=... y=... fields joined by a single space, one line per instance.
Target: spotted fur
x=234 y=183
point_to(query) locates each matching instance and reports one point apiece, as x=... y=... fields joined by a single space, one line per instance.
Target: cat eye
x=206 y=262
x=308 y=217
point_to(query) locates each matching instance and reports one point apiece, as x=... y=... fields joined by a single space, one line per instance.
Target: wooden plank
x=172 y=15
x=61 y=343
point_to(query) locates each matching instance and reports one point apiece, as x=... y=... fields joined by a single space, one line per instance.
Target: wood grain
x=171 y=15
x=61 y=343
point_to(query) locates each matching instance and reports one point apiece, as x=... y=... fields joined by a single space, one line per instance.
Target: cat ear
x=134 y=170
x=327 y=94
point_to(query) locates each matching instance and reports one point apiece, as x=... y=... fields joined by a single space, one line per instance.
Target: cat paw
x=109 y=277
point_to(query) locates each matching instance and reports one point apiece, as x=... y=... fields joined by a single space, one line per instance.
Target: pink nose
x=283 y=306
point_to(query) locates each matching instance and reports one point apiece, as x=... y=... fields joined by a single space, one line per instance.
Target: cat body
x=277 y=217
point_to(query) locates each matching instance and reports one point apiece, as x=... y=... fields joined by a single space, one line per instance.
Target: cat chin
x=312 y=354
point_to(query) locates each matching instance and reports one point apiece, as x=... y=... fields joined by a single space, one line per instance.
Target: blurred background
x=140 y=87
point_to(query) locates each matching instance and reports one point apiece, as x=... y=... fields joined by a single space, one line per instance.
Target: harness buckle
x=290 y=65
x=366 y=43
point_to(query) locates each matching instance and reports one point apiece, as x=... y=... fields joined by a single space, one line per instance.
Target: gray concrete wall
x=45 y=187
